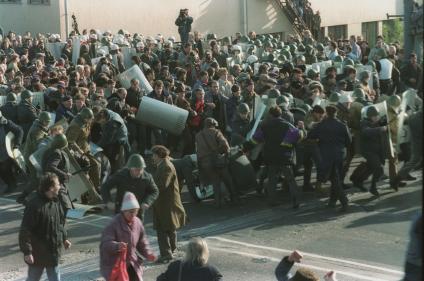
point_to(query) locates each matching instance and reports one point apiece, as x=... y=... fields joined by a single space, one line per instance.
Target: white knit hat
x=130 y=202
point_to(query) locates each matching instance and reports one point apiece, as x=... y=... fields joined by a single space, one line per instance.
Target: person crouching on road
x=43 y=233
x=125 y=233
x=194 y=266
x=302 y=273
x=168 y=210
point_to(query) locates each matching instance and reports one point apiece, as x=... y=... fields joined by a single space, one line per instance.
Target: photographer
x=184 y=22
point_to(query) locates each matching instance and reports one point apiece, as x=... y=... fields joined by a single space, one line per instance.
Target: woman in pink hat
x=125 y=232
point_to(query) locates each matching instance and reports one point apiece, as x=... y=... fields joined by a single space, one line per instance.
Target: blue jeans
x=35 y=272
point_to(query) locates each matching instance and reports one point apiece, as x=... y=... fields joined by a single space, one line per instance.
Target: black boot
x=373 y=190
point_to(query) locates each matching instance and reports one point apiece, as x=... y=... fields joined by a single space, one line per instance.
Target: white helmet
x=101 y=52
x=252 y=59
x=84 y=38
x=236 y=48
x=172 y=39
x=140 y=44
x=168 y=42
x=93 y=36
x=159 y=37
x=114 y=47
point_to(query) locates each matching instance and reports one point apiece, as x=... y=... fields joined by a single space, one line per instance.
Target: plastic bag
x=119 y=270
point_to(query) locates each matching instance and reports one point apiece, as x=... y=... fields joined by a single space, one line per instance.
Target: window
x=337 y=32
x=370 y=32
x=10 y=1
x=39 y=2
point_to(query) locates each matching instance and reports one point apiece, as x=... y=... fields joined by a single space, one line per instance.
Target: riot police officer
x=132 y=178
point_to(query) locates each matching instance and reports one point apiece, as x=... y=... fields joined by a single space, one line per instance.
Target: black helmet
x=44 y=118
x=86 y=113
x=26 y=95
x=11 y=97
x=273 y=93
x=59 y=141
x=136 y=161
x=243 y=108
x=372 y=111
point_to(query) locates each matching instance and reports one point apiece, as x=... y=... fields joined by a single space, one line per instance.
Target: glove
x=247 y=146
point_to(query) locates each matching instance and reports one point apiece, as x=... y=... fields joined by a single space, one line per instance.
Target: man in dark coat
x=116 y=103
x=279 y=138
x=411 y=72
x=10 y=108
x=372 y=140
x=64 y=110
x=333 y=137
x=6 y=163
x=184 y=22
x=27 y=112
x=42 y=234
x=114 y=137
x=132 y=178
x=55 y=160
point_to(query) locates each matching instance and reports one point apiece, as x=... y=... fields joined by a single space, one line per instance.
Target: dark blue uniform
x=279 y=139
x=333 y=137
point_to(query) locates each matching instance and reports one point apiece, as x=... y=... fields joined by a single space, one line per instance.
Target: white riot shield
x=256 y=67
x=128 y=53
x=55 y=49
x=95 y=61
x=94 y=148
x=260 y=111
x=134 y=72
x=37 y=100
x=323 y=103
x=2 y=100
x=14 y=153
x=408 y=99
x=361 y=68
x=322 y=66
x=115 y=60
x=76 y=46
x=162 y=115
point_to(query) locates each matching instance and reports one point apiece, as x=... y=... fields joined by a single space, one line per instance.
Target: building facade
x=222 y=17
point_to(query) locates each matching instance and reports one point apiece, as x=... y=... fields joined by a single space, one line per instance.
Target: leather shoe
x=374 y=191
x=409 y=178
x=164 y=259
x=360 y=186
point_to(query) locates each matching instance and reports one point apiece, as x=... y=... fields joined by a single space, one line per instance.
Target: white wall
x=35 y=18
x=349 y=12
x=223 y=17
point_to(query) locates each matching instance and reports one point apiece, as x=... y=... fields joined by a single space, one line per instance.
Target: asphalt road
x=247 y=242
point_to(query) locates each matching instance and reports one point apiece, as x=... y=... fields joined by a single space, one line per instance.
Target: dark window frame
x=39 y=2
x=10 y=1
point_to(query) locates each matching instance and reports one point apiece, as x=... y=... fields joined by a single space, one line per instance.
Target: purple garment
x=292 y=136
x=117 y=231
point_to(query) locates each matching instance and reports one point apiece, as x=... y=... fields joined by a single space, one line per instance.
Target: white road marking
x=306 y=254
x=362 y=277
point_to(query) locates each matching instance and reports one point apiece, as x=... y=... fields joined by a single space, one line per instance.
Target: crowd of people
x=313 y=118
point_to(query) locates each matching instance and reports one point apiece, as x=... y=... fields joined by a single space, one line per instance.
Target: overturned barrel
x=162 y=115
